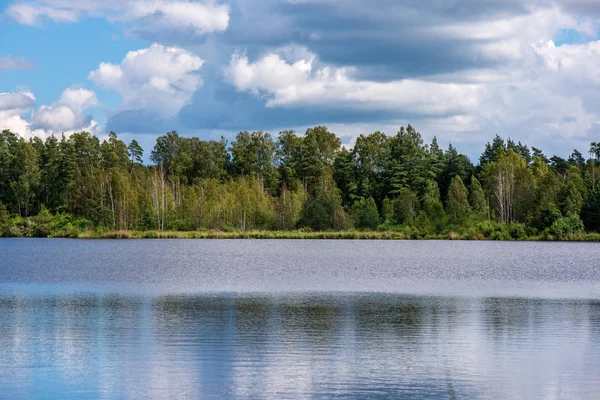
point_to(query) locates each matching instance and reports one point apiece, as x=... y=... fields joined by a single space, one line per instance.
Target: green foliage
x=477 y=199
x=69 y=186
x=406 y=207
x=591 y=211
x=433 y=216
x=323 y=210
x=458 y=201
x=566 y=226
x=364 y=213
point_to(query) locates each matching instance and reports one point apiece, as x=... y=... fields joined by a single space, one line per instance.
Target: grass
x=332 y=235
x=212 y=234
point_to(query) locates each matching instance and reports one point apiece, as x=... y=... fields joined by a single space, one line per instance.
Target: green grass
x=332 y=235
x=241 y=235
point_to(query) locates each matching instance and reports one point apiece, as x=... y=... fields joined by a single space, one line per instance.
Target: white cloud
x=31 y=14
x=160 y=15
x=67 y=113
x=299 y=84
x=159 y=79
x=64 y=116
x=9 y=62
x=180 y=15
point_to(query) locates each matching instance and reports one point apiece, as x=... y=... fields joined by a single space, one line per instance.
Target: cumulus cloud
x=67 y=113
x=145 y=15
x=12 y=107
x=298 y=84
x=158 y=79
x=64 y=116
x=19 y=101
x=9 y=62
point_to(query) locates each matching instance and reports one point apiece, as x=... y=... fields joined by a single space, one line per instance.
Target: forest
x=78 y=186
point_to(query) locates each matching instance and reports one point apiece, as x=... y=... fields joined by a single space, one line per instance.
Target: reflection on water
x=68 y=345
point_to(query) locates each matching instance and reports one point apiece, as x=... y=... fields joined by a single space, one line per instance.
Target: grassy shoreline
x=299 y=235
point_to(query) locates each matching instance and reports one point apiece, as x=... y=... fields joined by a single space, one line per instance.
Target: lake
x=275 y=319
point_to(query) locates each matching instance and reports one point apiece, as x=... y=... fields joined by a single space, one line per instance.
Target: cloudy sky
x=462 y=70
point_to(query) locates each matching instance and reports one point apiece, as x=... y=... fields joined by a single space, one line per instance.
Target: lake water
x=167 y=319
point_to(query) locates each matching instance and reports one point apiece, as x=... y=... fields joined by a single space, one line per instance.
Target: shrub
x=566 y=226
x=365 y=214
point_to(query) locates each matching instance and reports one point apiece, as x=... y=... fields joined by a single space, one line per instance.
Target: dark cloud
x=13 y=101
x=386 y=39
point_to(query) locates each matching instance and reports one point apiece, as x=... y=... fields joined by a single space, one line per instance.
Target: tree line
x=310 y=181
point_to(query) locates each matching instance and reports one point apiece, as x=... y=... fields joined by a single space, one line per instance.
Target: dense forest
x=65 y=186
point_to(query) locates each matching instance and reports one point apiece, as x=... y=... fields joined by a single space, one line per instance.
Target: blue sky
x=462 y=70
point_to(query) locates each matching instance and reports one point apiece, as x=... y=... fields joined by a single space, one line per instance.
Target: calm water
x=298 y=319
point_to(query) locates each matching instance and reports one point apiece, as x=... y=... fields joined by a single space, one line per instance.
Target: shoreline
x=304 y=235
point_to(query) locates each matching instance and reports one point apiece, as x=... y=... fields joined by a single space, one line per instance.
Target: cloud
x=158 y=79
x=298 y=84
x=67 y=113
x=145 y=16
x=12 y=107
x=32 y=14
x=462 y=70
x=9 y=62
x=164 y=16
x=64 y=116
x=20 y=101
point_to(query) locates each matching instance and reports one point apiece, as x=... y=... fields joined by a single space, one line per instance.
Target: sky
x=462 y=70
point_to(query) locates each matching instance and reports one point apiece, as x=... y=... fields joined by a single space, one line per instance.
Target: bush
x=566 y=226
x=364 y=213
x=517 y=231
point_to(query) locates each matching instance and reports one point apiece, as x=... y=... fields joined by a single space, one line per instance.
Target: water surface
x=298 y=319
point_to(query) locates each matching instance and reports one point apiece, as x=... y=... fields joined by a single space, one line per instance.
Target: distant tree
x=364 y=213
x=591 y=210
x=477 y=198
x=344 y=174
x=576 y=159
x=458 y=208
x=537 y=153
x=575 y=192
x=136 y=153
x=406 y=207
x=492 y=151
x=508 y=179
x=323 y=209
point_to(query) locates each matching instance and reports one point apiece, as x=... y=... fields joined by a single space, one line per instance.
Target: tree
x=595 y=151
x=458 y=201
x=24 y=187
x=454 y=164
x=136 y=153
x=114 y=153
x=173 y=152
x=576 y=159
x=369 y=156
x=323 y=210
x=508 y=181
x=344 y=175
x=364 y=213
x=406 y=207
x=477 y=199
x=575 y=192
x=492 y=151
x=591 y=210
x=407 y=165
